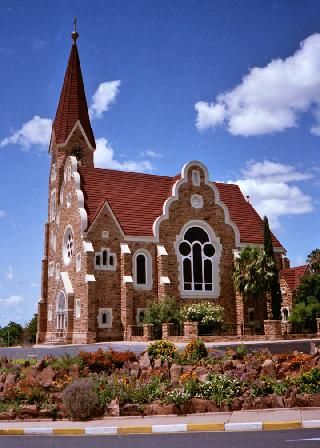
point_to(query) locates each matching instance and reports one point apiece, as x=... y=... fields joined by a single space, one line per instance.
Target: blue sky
x=235 y=84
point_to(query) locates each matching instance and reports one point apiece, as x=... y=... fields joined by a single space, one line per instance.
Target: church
x=115 y=240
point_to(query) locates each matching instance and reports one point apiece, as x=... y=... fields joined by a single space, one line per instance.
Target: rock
x=45 y=413
x=200 y=405
x=158 y=408
x=227 y=365
x=262 y=402
x=277 y=401
x=113 y=408
x=268 y=368
x=175 y=372
x=7 y=415
x=316 y=400
x=9 y=382
x=157 y=364
x=74 y=371
x=203 y=378
x=200 y=371
x=144 y=361
x=283 y=370
x=28 y=411
x=240 y=367
x=289 y=402
x=303 y=400
x=46 y=377
x=130 y=409
x=236 y=404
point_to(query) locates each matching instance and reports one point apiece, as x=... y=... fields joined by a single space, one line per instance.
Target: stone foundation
x=272 y=329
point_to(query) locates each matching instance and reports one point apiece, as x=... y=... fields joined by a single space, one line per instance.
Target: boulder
x=45 y=413
x=158 y=408
x=7 y=415
x=303 y=400
x=316 y=400
x=41 y=364
x=268 y=368
x=277 y=401
x=46 y=377
x=9 y=382
x=28 y=411
x=227 y=365
x=130 y=409
x=113 y=408
x=144 y=361
x=200 y=371
x=175 y=372
x=157 y=364
x=201 y=405
x=236 y=404
x=283 y=370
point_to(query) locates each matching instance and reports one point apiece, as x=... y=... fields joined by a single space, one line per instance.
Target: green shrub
x=195 y=350
x=80 y=399
x=65 y=361
x=205 y=313
x=161 y=311
x=176 y=397
x=309 y=382
x=219 y=387
x=164 y=350
x=241 y=351
x=266 y=386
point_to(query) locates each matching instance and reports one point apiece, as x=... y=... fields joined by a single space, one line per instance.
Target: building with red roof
x=114 y=240
x=290 y=279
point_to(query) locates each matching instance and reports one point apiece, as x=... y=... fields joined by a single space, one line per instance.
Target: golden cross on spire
x=75 y=34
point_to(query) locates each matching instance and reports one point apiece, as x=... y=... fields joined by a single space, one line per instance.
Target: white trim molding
x=105 y=318
x=66 y=282
x=175 y=196
x=148 y=269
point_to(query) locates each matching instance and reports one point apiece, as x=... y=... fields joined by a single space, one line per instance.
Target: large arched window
x=199 y=254
x=61 y=312
x=142 y=269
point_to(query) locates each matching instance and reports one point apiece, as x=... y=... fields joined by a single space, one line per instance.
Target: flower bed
x=161 y=382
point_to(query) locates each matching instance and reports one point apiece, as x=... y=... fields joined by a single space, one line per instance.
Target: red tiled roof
x=72 y=104
x=137 y=200
x=293 y=276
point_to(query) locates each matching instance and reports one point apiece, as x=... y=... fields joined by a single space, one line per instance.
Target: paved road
x=302 y=345
x=304 y=438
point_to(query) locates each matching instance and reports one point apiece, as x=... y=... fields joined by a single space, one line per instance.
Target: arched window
x=199 y=256
x=53 y=205
x=61 y=312
x=68 y=245
x=142 y=269
x=104 y=318
x=285 y=314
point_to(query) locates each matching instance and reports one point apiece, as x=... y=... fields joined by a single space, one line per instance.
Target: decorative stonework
x=196 y=201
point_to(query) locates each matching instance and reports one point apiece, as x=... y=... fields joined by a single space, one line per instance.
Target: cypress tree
x=274 y=287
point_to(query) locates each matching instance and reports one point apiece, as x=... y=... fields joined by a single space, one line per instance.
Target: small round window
x=68 y=244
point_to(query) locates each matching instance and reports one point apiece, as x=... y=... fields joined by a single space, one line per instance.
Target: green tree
x=274 y=286
x=161 y=311
x=253 y=271
x=313 y=260
x=31 y=328
x=11 y=334
x=307 y=303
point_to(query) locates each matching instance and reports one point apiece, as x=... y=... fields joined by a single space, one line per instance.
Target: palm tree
x=253 y=272
x=313 y=260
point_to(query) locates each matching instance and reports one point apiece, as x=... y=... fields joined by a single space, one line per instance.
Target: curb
x=158 y=429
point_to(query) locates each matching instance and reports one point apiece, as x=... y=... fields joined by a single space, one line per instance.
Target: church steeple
x=72 y=104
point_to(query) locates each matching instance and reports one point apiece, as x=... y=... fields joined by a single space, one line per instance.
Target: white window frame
x=107 y=266
x=53 y=240
x=196 y=201
x=77 y=309
x=69 y=198
x=53 y=175
x=78 y=262
x=215 y=241
x=57 y=271
x=53 y=205
x=65 y=247
x=282 y=315
x=196 y=179
x=49 y=313
x=104 y=234
x=148 y=264
x=61 y=323
x=108 y=324
x=51 y=269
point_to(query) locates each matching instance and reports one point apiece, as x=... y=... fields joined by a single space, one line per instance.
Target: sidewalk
x=268 y=419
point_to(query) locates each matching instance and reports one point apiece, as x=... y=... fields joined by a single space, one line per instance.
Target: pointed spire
x=72 y=104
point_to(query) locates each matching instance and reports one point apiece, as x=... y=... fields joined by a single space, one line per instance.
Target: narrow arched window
x=196 y=253
x=142 y=269
x=104 y=318
x=61 y=312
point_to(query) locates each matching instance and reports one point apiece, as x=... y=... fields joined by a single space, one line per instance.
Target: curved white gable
x=175 y=197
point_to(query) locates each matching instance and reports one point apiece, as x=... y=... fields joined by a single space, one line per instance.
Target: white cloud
x=36 y=131
x=9 y=273
x=104 y=96
x=3 y=214
x=267 y=185
x=269 y=99
x=104 y=158
x=12 y=300
x=153 y=154
x=34 y=285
